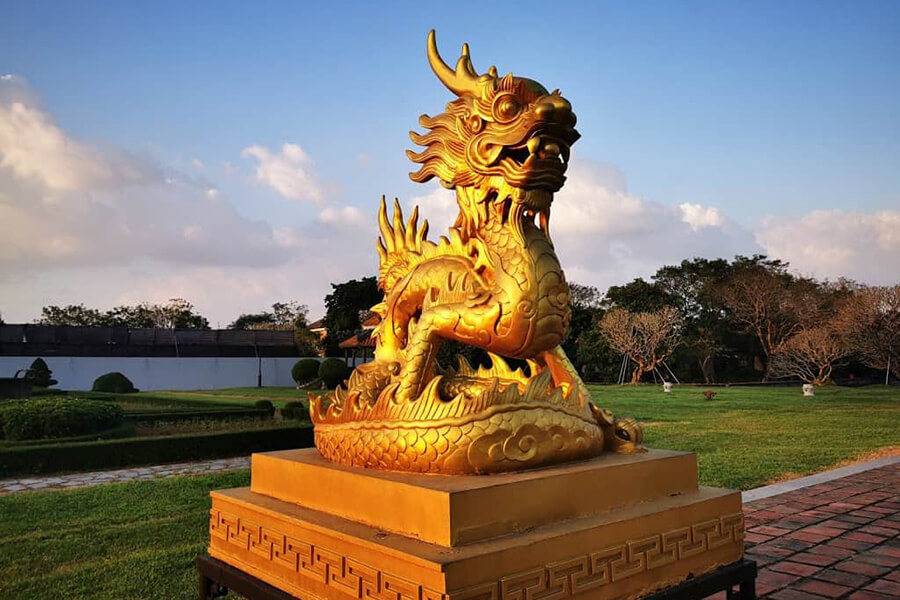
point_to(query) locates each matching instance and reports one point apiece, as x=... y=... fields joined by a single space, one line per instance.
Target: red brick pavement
x=839 y=539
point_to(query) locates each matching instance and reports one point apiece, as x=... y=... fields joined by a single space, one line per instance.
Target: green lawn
x=242 y=396
x=115 y=542
x=749 y=435
x=139 y=540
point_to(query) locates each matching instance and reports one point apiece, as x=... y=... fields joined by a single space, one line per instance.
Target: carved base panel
x=617 y=553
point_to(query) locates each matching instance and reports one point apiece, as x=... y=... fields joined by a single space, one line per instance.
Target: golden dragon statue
x=494 y=282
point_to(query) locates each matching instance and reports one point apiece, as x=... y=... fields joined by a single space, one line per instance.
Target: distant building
x=361 y=347
x=318 y=328
x=60 y=340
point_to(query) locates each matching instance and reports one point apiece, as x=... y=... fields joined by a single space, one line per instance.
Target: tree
x=40 y=375
x=285 y=316
x=767 y=301
x=869 y=320
x=344 y=305
x=646 y=338
x=178 y=313
x=810 y=355
x=73 y=315
x=638 y=296
x=689 y=287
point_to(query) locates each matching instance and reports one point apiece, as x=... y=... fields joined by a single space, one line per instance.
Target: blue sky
x=770 y=113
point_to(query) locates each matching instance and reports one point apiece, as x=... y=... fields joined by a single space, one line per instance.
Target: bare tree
x=646 y=338
x=869 y=320
x=770 y=303
x=809 y=355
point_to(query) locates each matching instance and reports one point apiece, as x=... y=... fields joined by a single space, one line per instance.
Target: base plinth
x=612 y=527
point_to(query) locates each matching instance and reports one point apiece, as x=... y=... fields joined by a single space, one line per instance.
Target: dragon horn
x=464 y=80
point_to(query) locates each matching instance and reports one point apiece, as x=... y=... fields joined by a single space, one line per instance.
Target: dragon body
x=493 y=282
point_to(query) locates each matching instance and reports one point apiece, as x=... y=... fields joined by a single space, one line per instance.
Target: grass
x=207 y=426
x=139 y=540
x=120 y=541
x=241 y=396
x=747 y=436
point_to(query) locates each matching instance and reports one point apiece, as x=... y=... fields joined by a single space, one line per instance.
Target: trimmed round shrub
x=332 y=371
x=266 y=404
x=39 y=374
x=113 y=383
x=295 y=410
x=57 y=418
x=304 y=370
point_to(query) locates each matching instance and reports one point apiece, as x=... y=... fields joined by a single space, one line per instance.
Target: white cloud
x=33 y=147
x=289 y=172
x=64 y=202
x=348 y=215
x=699 y=216
x=605 y=235
x=835 y=243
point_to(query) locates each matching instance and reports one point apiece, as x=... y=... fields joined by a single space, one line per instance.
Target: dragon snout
x=555 y=109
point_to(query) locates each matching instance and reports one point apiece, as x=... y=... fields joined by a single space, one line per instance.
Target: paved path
x=838 y=539
x=10 y=486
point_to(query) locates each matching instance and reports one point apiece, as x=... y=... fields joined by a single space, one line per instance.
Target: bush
x=265 y=405
x=113 y=383
x=107 y=454
x=332 y=371
x=295 y=410
x=39 y=374
x=305 y=370
x=57 y=417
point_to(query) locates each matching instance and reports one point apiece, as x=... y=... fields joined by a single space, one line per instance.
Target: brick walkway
x=839 y=539
x=73 y=480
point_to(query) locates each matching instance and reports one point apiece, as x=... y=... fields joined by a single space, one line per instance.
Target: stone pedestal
x=618 y=526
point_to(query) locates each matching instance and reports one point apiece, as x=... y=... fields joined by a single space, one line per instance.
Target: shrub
x=57 y=417
x=295 y=410
x=265 y=405
x=106 y=454
x=39 y=374
x=113 y=383
x=332 y=371
x=304 y=370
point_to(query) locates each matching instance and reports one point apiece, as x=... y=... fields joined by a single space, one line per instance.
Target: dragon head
x=507 y=137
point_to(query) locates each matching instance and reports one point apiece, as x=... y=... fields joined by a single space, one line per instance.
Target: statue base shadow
x=613 y=527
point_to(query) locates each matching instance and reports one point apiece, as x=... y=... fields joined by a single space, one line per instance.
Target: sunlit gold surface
x=493 y=282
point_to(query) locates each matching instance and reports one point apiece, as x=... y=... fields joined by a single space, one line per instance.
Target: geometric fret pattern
x=561 y=579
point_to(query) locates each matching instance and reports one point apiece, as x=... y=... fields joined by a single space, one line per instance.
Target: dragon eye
x=506 y=107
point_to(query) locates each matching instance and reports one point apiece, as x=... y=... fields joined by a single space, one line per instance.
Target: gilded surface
x=493 y=282
x=571 y=576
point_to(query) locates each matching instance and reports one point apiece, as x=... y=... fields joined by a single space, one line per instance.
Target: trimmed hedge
x=332 y=372
x=115 y=383
x=56 y=417
x=265 y=405
x=150 y=400
x=155 y=416
x=122 y=431
x=39 y=374
x=295 y=410
x=304 y=370
x=108 y=454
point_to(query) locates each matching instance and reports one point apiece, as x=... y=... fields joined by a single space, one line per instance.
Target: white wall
x=163 y=373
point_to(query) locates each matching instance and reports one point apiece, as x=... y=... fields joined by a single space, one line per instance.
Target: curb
x=795 y=484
